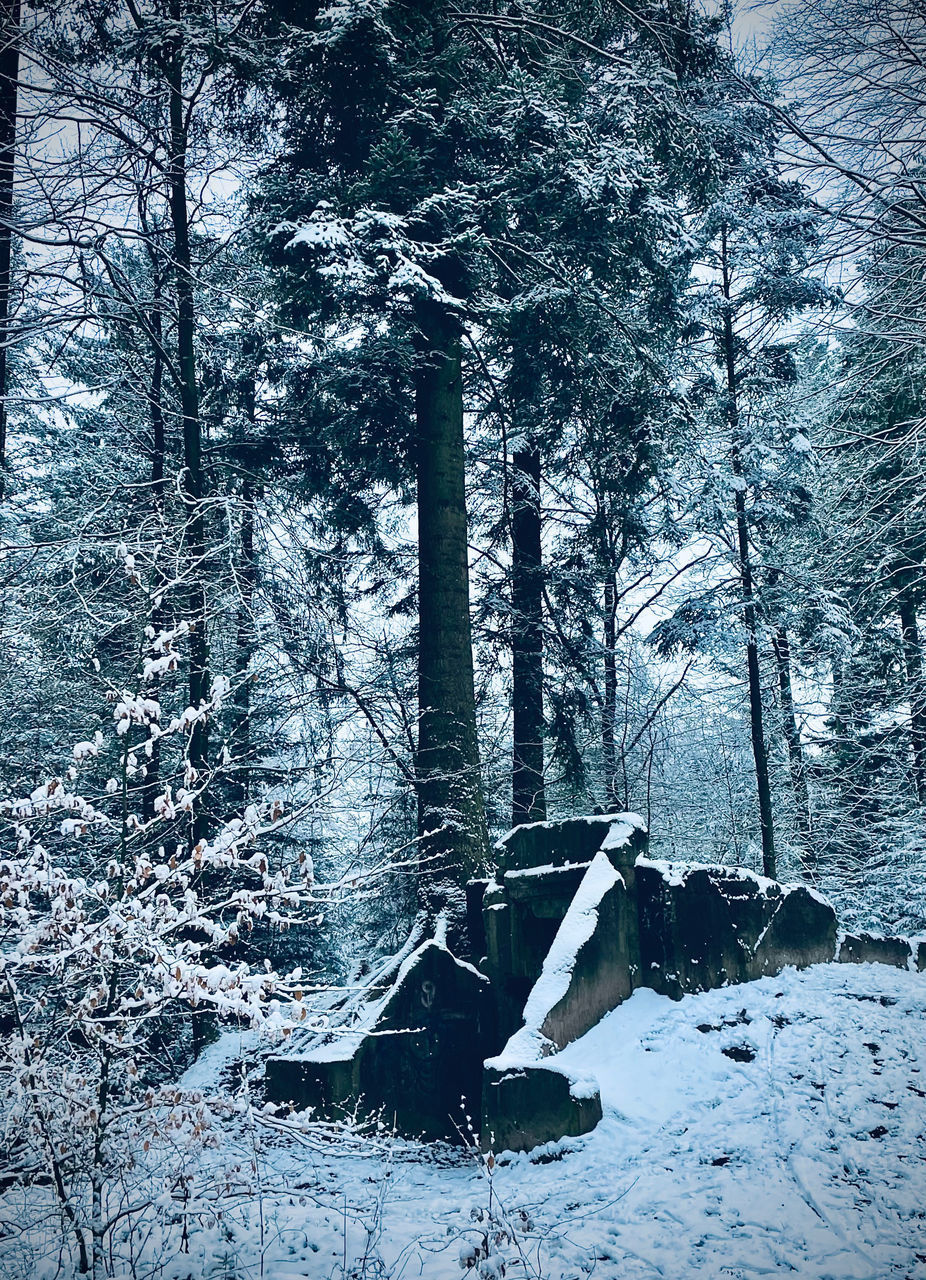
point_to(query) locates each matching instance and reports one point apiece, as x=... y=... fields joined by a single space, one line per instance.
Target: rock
x=871 y=948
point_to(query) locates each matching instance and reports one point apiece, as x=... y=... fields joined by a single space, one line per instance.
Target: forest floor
x=775 y=1128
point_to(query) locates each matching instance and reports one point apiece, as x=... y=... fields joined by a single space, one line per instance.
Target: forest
x=420 y=419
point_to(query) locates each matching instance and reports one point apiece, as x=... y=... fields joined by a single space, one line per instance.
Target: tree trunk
x=792 y=737
x=192 y=488
x=246 y=644
x=152 y=786
x=9 y=76
x=913 y=663
x=609 y=693
x=451 y=815
x=757 y=732
x=528 y=798
x=759 y=752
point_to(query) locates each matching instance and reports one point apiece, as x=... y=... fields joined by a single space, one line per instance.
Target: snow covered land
x=773 y=1128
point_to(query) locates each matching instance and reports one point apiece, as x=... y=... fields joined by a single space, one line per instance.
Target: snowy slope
x=802 y=1154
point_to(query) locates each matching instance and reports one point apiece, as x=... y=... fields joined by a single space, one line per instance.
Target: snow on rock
x=629 y=821
x=528 y=1045
x=676 y=873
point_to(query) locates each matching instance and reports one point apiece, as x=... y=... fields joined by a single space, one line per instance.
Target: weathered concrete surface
x=557 y=844
x=419 y=1066
x=688 y=941
x=871 y=948
x=540 y=868
x=524 y=1107
x=802 y=931
x=522 y=916
x=706 y=927
x=605 y=973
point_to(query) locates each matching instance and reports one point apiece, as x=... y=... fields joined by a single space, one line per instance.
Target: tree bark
x=528 y=797
x=792 y=737
x=609 y=693
x=247 y=634
x=757 y=732
x=9 y=77
x=152 y=786
x=451 y=815
x=192 y=486
x=913 y=664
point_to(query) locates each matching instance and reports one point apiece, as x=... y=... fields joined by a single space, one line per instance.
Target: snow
x=341 y=1038
x=621 y=831
x=703 y=1165
x=804 y=1160
x=548 y=870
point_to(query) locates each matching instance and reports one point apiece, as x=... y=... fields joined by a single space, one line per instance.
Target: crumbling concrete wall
x=872 y=948
x=416 y=1059
x=540 y=867
x=633 y=922
x=706 y=927
x=575 y=918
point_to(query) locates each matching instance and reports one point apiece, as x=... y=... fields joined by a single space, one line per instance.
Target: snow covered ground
x=776 y=1128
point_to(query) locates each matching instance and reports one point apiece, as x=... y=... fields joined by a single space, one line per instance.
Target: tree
x=528 y=196
x=9 y=83
x=760 y=235
x=111 y=943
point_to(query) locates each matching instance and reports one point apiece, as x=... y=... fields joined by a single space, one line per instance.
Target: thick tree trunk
x=246 y=644
x=152 y=786
x=528 y=798
x=913 y=663
x=792 y=737
x=757 y=732
x=9 y=76
x=609 y=693
x=451 y=813
x=192 y=488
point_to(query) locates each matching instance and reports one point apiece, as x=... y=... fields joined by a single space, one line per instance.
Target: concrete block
x=605 y=970
x=418 y=1066
x=802 y=931
x=575 y=840
x=871 y=948
x=524 y=1107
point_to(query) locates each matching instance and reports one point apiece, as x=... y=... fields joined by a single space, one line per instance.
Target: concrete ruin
x=575 y=918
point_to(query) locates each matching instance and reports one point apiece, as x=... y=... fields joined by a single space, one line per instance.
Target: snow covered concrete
x=801 y=1154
